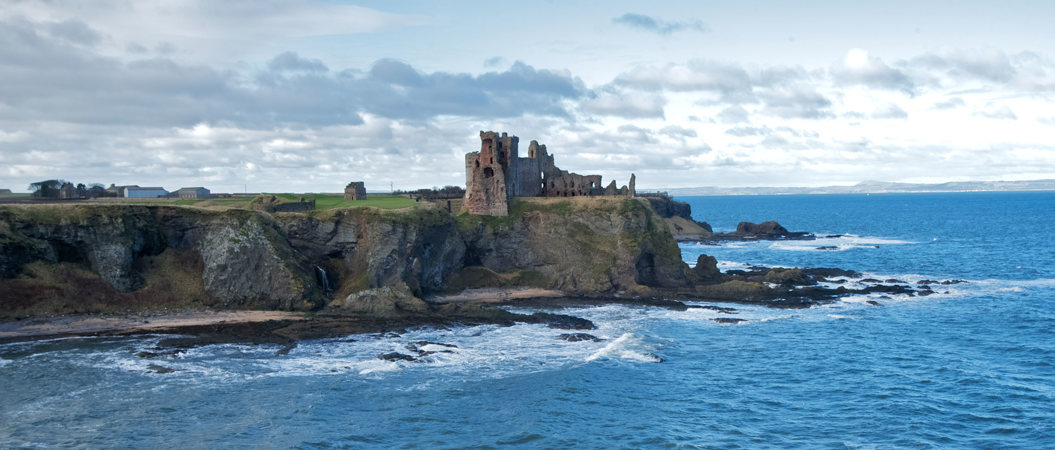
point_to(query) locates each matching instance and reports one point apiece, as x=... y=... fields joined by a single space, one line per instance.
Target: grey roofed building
x=193 y=193
x=143 y=192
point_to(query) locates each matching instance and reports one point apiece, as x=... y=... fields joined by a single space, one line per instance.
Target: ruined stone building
x=67 y=191
x=355 y=190
x=497 y=172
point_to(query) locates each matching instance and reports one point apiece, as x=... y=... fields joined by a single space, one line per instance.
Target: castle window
x=478 y=163
x=488 y=172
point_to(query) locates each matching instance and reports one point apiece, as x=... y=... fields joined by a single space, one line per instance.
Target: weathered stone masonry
x=355 y=190
x=497 y=172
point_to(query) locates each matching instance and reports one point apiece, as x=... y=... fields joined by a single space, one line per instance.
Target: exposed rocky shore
x=366 y=270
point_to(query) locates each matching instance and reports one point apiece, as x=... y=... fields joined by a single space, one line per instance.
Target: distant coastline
x=873 y=187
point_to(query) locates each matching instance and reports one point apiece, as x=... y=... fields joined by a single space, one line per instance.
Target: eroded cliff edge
x=71 y=259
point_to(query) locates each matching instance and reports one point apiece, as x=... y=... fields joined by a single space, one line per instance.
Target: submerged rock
x=577 y=337
x=728 y=320
x=721 y=309
x=823 y=273
x=396 y=356
x=286 y=349
x=173 y=354
x=562 y=321
x=419 y=348
x=154 y=368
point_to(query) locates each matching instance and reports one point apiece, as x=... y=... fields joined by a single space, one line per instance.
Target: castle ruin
x=355 y=190
x=497 y=173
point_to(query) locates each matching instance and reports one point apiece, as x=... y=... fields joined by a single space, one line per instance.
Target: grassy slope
x=334 y=201
x=322 y=201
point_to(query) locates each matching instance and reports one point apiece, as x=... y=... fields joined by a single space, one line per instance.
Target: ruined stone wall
x=355 y=190
x=528 y=174
x=510 y=162
x=300 y=206
x=566 y=184
x=271 y=204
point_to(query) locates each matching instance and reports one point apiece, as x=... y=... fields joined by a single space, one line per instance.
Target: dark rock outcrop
x=787 y=277
x=768 y=228
x=667 y=207
x=747 y=231
x=706 y=270
x=396 y=356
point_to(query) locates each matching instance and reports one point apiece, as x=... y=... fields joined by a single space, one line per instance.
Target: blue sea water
x=971 y=366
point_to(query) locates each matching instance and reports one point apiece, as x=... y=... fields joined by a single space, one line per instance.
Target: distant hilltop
x=874 y=187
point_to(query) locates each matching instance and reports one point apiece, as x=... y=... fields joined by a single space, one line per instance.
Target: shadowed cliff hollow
x=65 y=259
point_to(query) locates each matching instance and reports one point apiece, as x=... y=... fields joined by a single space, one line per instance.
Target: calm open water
x=969 y=367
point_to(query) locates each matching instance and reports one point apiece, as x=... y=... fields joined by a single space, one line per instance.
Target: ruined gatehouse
x=497 y=173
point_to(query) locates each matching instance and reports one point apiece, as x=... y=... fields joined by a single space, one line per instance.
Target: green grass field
x=337 y=201
x=323 y=202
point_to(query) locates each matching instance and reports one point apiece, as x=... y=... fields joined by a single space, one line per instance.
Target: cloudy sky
x=306 y=95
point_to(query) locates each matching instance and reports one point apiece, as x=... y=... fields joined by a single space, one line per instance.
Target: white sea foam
x=726 y=266
x=836 y=243
x=629 y=346
x=490 y=350
x=485 y=351
x=375 y=366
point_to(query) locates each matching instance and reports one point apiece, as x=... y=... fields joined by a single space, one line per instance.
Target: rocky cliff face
x=594 y=245
x=366 y=248
x=235 y=259
x=55 y=257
